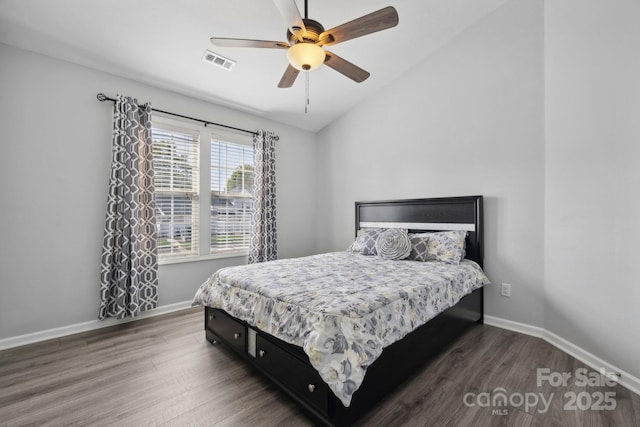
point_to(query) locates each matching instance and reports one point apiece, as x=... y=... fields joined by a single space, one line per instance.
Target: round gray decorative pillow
x=393 y=243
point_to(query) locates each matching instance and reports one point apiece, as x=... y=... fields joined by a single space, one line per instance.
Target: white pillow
x=446 y=246
x=358 y=244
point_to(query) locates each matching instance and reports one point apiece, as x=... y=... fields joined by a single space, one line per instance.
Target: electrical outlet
x=505 y=290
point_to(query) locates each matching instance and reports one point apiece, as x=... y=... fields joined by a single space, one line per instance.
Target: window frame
x=206 y=135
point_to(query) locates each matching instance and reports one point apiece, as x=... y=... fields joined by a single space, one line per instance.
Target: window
x=191 y=161
x=175 y=167
x=231 y=187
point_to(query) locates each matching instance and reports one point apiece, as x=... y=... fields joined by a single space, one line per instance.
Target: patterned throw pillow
x=419 y=245
x=393 y=244
x=446 y=246
x=370 y=235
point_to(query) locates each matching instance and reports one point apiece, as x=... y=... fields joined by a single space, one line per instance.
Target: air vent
x=218 y=60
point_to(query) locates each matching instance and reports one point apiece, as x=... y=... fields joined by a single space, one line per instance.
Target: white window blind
x=231 y=196
x=176 y=172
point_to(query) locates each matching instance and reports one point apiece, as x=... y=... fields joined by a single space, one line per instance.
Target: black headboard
x=438 y=214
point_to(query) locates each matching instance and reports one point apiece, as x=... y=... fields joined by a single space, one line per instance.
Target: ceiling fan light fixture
x=305 y=56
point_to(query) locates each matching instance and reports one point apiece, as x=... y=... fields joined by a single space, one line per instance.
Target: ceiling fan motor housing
x=314 y=29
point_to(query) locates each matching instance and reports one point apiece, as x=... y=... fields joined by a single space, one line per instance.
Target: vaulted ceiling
x=162 y=43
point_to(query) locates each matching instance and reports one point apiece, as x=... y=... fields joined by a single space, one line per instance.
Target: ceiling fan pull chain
x=306 y=103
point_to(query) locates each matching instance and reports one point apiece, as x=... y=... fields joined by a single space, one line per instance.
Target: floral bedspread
x=342 y=308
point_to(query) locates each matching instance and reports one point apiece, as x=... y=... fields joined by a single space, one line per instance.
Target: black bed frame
x=288 y=366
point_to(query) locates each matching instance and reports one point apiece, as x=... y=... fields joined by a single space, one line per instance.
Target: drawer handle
x=262 y=353
x=311 y=388
x=236 y=335
x=211 y=317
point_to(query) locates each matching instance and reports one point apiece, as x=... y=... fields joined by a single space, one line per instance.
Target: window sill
x=169 y=261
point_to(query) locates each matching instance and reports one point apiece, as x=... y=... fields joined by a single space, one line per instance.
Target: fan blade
x=222 y=42
x=371 y=23
x=289 y=11
x=289 y=77
x=345 y=67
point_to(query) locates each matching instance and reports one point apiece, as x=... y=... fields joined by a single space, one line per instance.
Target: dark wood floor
x=161 y=371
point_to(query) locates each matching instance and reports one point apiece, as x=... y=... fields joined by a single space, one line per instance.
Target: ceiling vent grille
x=218 y=60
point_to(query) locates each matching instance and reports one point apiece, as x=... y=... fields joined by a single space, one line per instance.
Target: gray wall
x=536 y=108
x=54 y=168
x=592 y=277
x=468 y=120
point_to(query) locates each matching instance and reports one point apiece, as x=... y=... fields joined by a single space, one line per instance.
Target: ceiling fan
x=308 y=37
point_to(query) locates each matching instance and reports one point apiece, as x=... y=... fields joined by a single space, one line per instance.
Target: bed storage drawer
x=299 y=377
x=227 y=329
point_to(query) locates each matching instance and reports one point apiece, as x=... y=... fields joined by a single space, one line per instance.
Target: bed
x=331 y=349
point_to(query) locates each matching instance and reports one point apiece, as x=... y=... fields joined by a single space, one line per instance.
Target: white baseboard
x=86 y=326
x=523 y=328
x=625 y=379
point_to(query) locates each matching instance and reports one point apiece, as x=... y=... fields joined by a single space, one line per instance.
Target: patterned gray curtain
x=263 y=245
x=129 y=274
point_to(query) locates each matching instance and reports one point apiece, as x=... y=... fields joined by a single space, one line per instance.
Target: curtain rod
x=102 y=98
